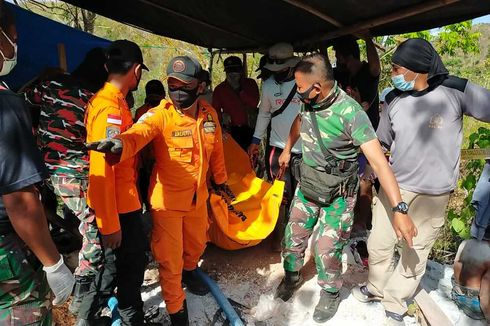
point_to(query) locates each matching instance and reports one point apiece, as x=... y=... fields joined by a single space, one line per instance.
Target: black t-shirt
x=368 y=89
x=21 y=162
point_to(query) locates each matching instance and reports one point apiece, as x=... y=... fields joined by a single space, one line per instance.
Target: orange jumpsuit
x=112 y=189
x=185 y=149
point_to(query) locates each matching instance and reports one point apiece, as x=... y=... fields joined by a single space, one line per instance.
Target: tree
x=458 y=37
x=73 y=16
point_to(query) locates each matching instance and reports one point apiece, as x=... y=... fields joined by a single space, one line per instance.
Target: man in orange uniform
x=112 y=193
x=187 y=140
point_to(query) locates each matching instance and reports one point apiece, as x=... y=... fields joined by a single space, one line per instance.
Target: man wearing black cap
x=187 y=139
x=155 y=93
x=237 y=97
x=264 y=73
x=61 y=100
x=207 y=94
x=423 y=116
x=112 y=193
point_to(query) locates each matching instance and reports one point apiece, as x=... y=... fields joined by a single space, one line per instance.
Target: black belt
x=340 y=166
x=6 y=229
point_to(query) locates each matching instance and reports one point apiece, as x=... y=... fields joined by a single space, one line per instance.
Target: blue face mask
x=400 y=83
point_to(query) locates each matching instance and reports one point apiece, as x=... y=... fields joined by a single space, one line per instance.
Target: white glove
x=60 y=280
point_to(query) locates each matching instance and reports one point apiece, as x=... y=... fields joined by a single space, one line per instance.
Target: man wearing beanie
x=188 y=143
x=423 y=116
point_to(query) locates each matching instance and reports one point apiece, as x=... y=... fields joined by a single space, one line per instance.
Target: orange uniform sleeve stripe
x=141 y=133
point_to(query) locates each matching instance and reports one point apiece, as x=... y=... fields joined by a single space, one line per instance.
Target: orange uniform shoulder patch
x=209 y=125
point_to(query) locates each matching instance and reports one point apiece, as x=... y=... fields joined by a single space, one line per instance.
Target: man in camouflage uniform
x=27 y=298
x=344 y=127
x=30 y=264
x=61 y=136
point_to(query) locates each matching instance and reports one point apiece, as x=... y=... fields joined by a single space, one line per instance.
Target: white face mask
x=8 y=63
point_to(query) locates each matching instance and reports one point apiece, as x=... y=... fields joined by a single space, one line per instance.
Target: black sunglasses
x=277 y=61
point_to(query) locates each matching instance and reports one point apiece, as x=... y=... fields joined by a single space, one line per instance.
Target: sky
x=482 y=19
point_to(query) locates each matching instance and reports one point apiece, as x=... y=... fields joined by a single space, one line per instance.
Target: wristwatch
x=402 y=207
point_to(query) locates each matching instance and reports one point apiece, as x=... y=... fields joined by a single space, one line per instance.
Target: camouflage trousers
x=72 y=191
x=25 y=297
x=335 y=223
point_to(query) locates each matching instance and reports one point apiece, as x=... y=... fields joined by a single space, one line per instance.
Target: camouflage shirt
x=343 y=125
x=61 y=133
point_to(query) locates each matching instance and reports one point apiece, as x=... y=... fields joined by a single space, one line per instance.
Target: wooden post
x=314 y=11
x=198 y=21
x=322 y=16
x=371 y=23
x=245 y=68
x=434 y=315
x=62 y=57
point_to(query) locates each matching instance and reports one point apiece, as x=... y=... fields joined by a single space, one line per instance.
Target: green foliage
x=458 y=37
x=461 y=217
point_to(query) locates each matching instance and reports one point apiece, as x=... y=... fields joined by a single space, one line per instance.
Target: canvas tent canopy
x=256 y=24
x=40 y=41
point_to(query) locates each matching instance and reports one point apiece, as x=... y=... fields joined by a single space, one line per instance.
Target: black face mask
x=183 y=99
x=303 y=96
x=323 y=103
x=282 y=76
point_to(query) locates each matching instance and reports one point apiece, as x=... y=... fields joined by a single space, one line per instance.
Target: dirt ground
x=63 y=317
x=249 y=277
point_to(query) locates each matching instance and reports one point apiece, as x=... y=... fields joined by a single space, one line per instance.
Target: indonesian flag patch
x=114 y=119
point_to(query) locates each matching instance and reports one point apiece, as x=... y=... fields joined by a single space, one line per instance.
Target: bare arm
x=294 y=134
x=373 y=57
x=26 y=214
x=374 y=154
x=402 y=223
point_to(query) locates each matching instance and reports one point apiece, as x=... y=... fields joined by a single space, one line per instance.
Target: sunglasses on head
x=277 y=61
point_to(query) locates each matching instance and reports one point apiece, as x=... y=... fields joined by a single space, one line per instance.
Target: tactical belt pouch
x=322 y=185
x=295 y=166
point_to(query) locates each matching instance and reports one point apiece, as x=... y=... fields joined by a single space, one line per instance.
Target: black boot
x=326 y=307
x=193 y=283
x=82 y=285
x=290 y=283
x=181 y=317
